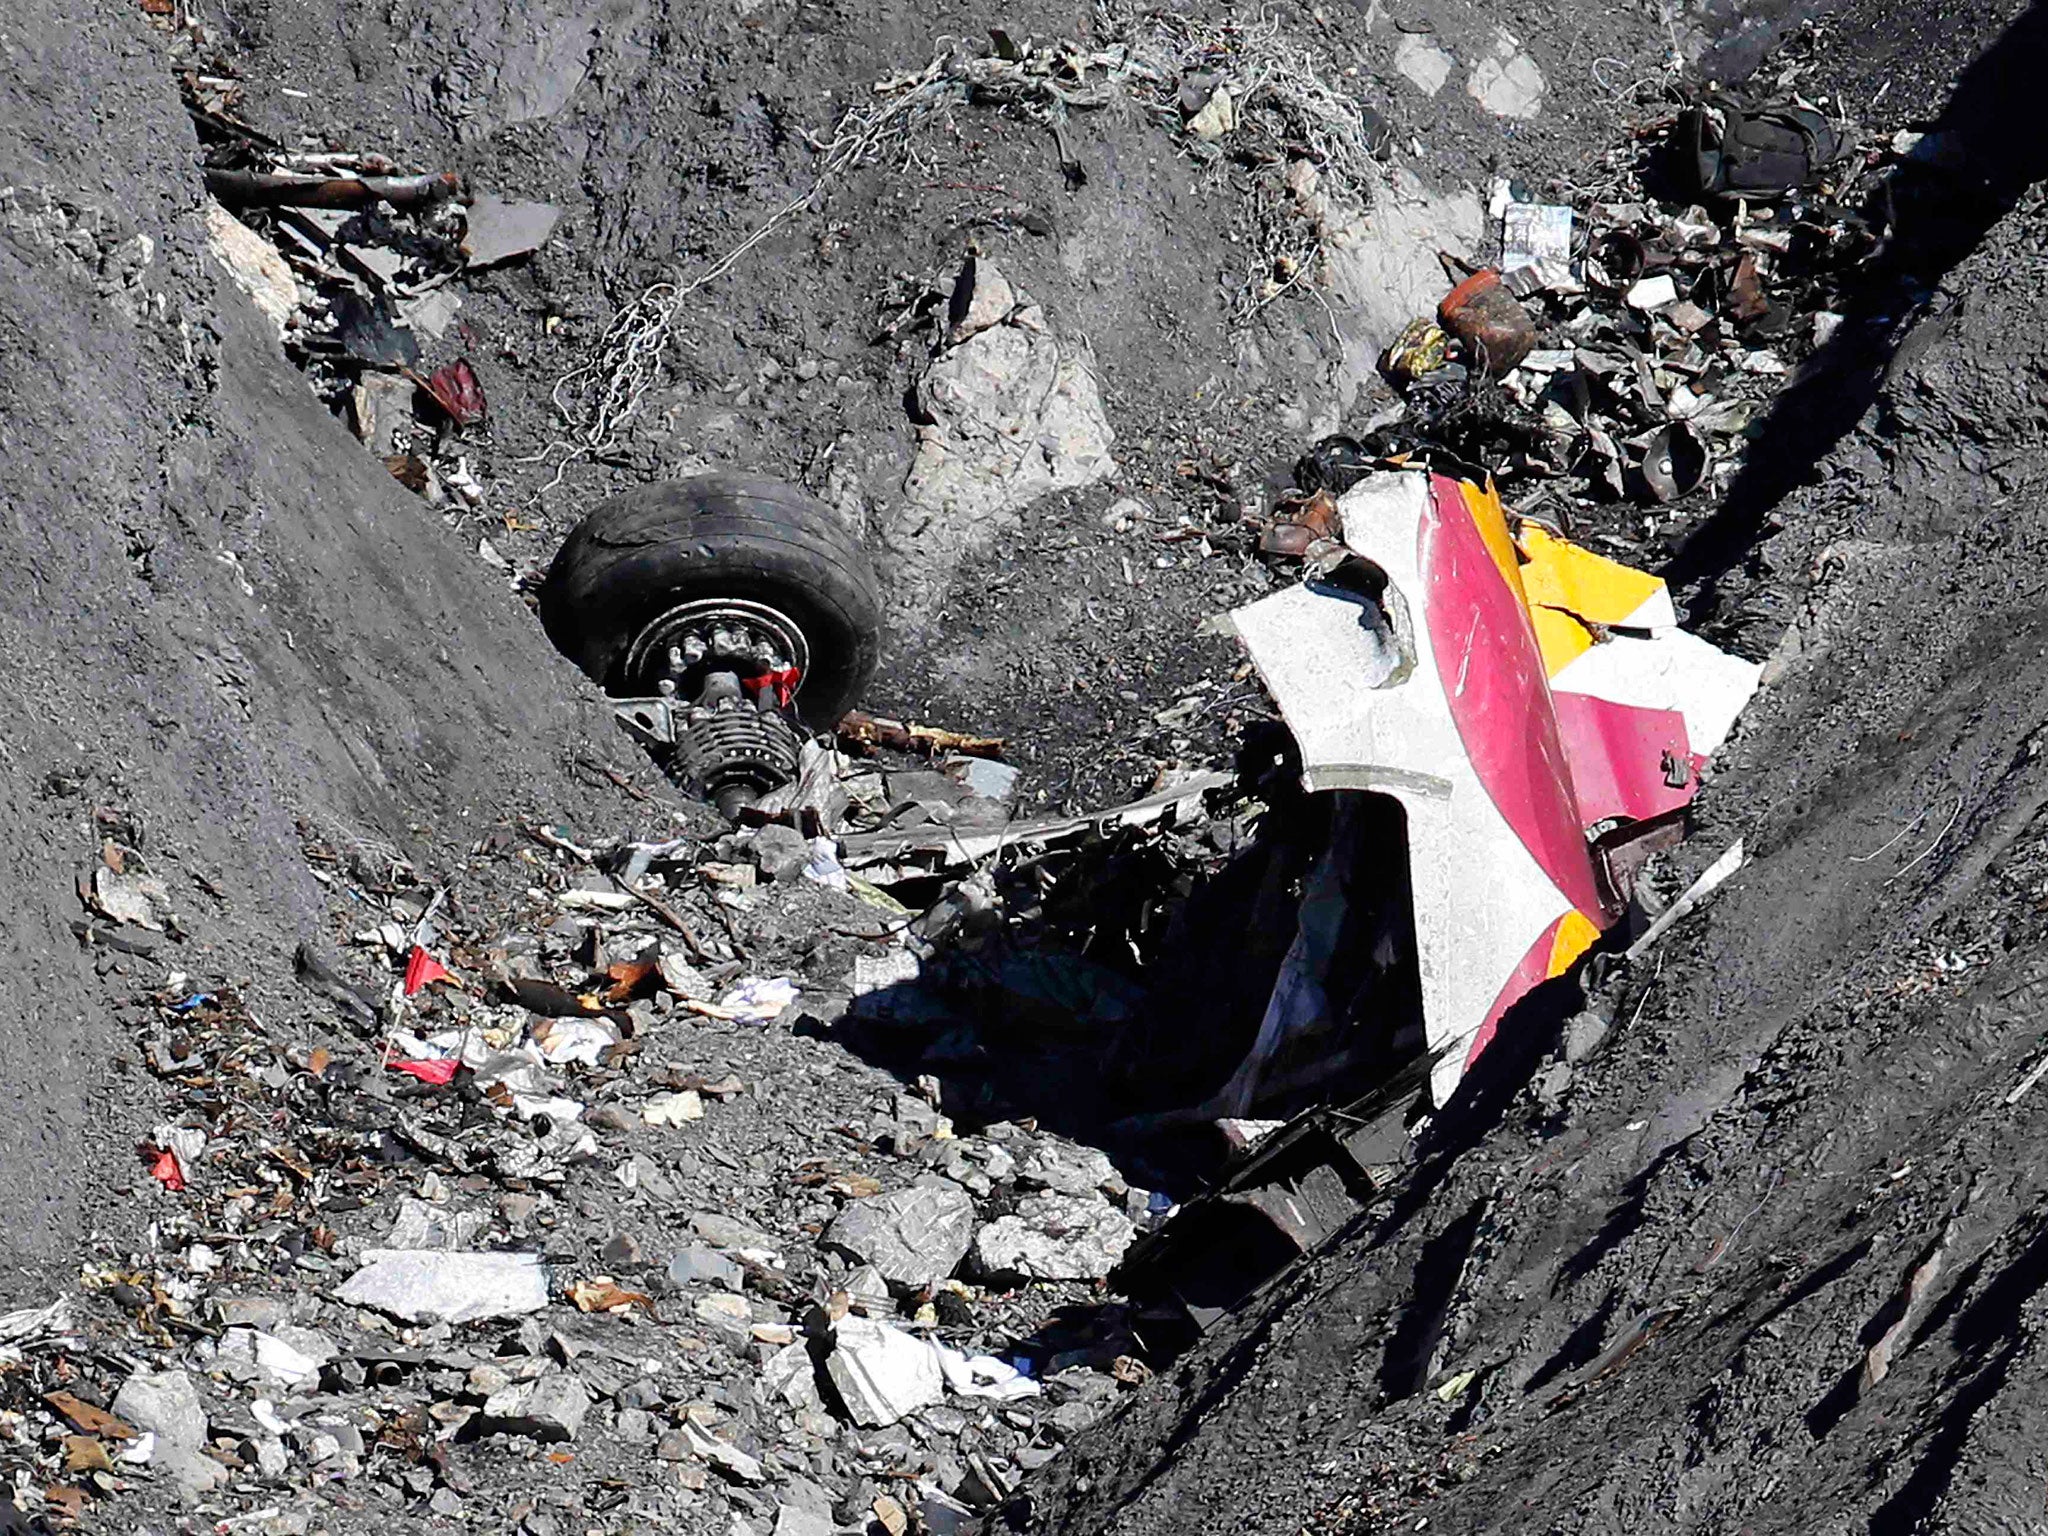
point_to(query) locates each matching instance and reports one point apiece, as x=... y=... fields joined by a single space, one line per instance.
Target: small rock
x=424 y=1225
x=881 y=1372
x=1582 y=1036
x=683 y=978
x=723 y=1307
x=254 y=263
x=695 y=1265
x=1073 y=1418
x=1510 y=87
x=908 y=1109
x=166 y=1404
x=981 y=297
x=432 y=313
x=865 y=1284
x=486 y=1379
x=622 y=1250
x=1055 y=1237
x=640 y=1393
x=455 y=1287
x=915 y=1237
x=1217 y=117
x=1016 y=414
x=790 y=1520
x=548 y=1409
x=779 y=852
x=518 y=1209
x=723 y=1231
x=997 y=1162
x=446 y=1502
x=500 y=231
x=1423 y=63
x=728 y=1458
x=270 y=1456
x=789 y=1377
x=265 y=1312
x=1066 y=1169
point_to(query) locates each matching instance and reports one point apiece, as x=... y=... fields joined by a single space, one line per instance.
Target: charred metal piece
x=1285 y=1198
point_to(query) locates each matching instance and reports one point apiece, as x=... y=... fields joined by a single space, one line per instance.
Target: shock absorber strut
x=731 y=750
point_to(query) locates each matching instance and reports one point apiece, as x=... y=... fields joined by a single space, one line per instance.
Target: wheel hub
x=696 y=639
x=716 y=678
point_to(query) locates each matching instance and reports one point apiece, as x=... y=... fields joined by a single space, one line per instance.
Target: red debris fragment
x=783 y=682
x=439 y=1073
x=69 y=1503
x=1746 y=299
x=163 y=1166
x=629 y=979
x=1497 y=332
x=456 y=390
x=423 y=970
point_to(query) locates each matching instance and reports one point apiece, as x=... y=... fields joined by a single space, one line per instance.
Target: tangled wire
x=1284 y=111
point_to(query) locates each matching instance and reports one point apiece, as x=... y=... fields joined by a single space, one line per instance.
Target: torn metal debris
x=1524 y=701
x=351 y=258
x=1625 y=343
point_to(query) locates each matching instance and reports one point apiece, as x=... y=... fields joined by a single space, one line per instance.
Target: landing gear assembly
x=721 y=613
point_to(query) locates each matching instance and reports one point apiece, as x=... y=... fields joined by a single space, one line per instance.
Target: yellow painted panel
x=1560 y=575
x=1575 y=935
x=1483 y=502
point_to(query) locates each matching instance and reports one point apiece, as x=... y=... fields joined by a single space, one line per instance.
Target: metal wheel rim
x=646 y=657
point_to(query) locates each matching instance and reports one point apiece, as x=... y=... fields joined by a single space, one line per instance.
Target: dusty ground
x=242 y=638
x=223 y=627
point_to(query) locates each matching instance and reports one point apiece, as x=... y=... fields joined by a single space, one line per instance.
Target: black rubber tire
x=717 y=535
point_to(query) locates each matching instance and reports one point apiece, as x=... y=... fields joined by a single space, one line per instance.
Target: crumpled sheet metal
x=1514 y=695
x=951 y=847
x=1628 y=685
